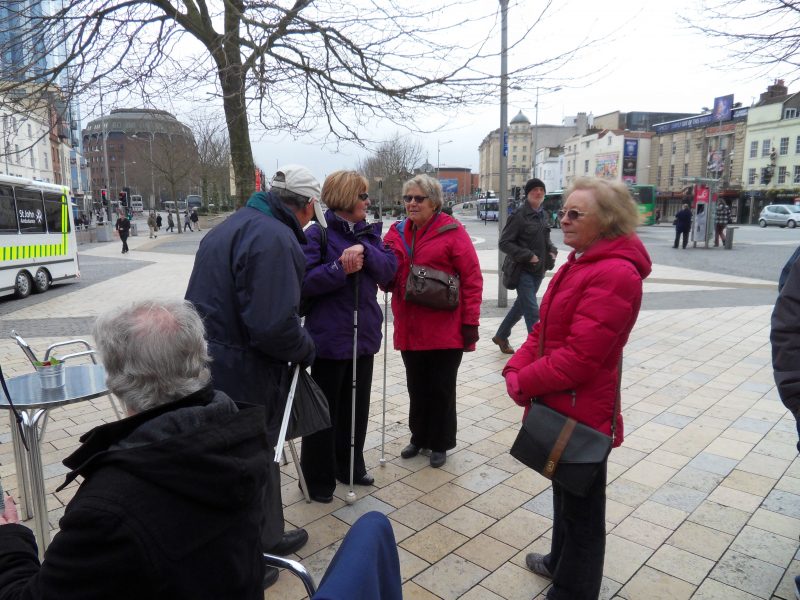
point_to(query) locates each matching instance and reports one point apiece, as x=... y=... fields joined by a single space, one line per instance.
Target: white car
x=783 y=215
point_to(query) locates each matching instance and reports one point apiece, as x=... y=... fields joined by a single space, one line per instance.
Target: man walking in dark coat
x=526 y=240
x=246 y=285
x=170 y=502
x=683 y=224
x=123 y=226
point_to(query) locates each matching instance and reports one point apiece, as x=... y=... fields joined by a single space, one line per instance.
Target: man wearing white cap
x=246 y=285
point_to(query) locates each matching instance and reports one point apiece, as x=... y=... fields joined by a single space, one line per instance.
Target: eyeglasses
x=571 y=214
x=363 y=196
x=417 y=199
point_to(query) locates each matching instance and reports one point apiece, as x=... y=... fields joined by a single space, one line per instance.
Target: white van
x=137 y=206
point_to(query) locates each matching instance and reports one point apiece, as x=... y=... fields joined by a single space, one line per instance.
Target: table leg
x=41 y=523
x=21 y=466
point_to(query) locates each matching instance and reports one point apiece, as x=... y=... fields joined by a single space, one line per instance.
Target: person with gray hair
x=171 y=498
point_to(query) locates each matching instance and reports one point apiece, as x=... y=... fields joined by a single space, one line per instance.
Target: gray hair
x=617 y=213
x=154 y=352
x=429 y=186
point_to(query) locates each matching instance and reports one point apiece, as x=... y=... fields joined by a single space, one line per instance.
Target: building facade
x=613 y=154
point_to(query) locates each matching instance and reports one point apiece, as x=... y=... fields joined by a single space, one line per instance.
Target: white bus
x=488 y=209
x=37 y=236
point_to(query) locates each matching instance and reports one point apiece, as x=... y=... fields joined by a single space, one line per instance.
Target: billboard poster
x=630 y=155
x=607 y=166
x=722 y=108
x=449 y=186
x=716 y=163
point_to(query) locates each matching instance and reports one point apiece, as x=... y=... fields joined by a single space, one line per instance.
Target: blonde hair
x=341 y=189
x=617 y=212
x=429 y=186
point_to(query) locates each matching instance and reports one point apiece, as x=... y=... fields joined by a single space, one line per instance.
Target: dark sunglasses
x=571 y=214
x=417 y=199
x=363 y=196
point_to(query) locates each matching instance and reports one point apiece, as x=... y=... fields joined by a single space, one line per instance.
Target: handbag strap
x=558 y=448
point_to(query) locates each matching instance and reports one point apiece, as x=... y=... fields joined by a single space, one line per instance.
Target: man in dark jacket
x=123 y=226
x=785 y=338
x=683 y=225
x=526 y=240
x=170 y=504
x=246 y=285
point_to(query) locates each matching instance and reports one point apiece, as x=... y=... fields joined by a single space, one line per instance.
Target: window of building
x=46 y=161
x=587 y=143
x=33 y=160
x=797 y=174
x=781 y=174
x=16 y=152
x=790 y=113
x=754 y=149
x=513 y=158
x=524 y=158
x=674 y=148
x=586 y=167
x=609 y=141
x=514 y=149
x=751 y=176
x=764 y=175
x=797 y=145
x=686 y=147
x=671 y=175
x=658 y=176
x=685 y=169
x=765 y=145
x=30 y=131
x=661 y=149
x=784 y=148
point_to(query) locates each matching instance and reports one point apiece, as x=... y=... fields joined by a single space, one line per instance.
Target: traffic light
x=104 y=196
x=123 y=198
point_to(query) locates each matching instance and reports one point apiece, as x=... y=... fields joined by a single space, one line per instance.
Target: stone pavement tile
x=728 y=448
x=761 y=464
x=507 y=436
x=628 y=492
x=500 y=500
x=515 y=583
x=746 y=573
x=678 y=496
x=776 y=523
x=411 y=591
x=626 y=456
x=351 y=513
x=506 y=462
x=656 y=431
x=787 y=589
x=713 y=463
x=649 y=474
x=608 y=589
x=642 y=532
x=788 y=484
x=692 y=439
x=783 y=503
x=641 y=442
x=613 y=471
x=480 y=593
x=735 y=499
x=654 y=585
x=388 y=473
x=321 y=533
x=541 y=504
x=428 y=479
x=482 y=478
x=434 y=542
x=288 y=587
x=448 y=497
x=451 y=577
x=668 y=459
x=739 y=435
x=764 y=545
x=416 y=515
x=623 y=557
x=488 y=449
x=486 y=552
x=616 y=511
x=467 y=521
x=697 y=479
x=401 y=532
x=681 y=564
x=749 y=482
x=751 y=424
x=519 y=528
x=397 y=494
x=658 y=513
x=777 y=449
x=411 y=565
x=673 y=420
x=700 y=540
x=722 y=518
x=715 y=590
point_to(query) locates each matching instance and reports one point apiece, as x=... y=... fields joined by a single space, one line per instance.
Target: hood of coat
x=200 y=447
x=272 y=206
x=626 y=247
x=344 y=226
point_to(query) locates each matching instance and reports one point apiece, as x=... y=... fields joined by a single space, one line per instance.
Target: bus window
x=52 y=209
x=30 y=211
x=8 y=213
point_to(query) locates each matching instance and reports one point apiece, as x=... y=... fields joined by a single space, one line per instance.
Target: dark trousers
x=431 y=379
x=579 y=542
x=124 y=238
x=719 y=232
x=325 y=455
x=678 y=235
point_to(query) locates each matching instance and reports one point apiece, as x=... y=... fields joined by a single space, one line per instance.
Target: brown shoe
x=504 y=347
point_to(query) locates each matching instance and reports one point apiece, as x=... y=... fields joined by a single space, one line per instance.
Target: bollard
x=729 y=237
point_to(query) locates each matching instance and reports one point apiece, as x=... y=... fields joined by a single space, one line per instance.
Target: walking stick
x=351 y=495
x=385 y=344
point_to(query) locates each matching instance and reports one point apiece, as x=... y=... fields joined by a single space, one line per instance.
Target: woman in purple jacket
x=352 y=255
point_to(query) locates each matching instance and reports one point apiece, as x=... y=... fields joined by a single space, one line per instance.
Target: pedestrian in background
x=158 y=221
x=151 y=224
x=721 y=221
x=187 y=224
x=195 y=219
x=431 y=341
x=683 y=225
x=170 y=222
x=526 y=240
x=572 y=364
x=352 y=255
x=123 y=227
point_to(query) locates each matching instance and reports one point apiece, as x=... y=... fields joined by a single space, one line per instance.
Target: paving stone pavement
x=703 y=497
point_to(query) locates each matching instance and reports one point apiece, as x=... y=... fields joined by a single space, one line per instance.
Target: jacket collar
x=272 y=206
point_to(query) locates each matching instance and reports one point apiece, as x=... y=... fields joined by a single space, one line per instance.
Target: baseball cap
x=534 y=183
x=298 y=179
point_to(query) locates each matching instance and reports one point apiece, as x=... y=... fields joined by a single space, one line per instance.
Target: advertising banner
x=722 y=108
x=607 y=166
x=630 y=155
x=449 y=186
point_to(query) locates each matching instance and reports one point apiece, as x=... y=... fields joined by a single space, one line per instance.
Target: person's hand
x=352 y=258
x=470 y=335
x=534 y=259
x=514 y=390
x=10 y=513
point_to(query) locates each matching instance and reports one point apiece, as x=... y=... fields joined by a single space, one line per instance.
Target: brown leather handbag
x=430 y=287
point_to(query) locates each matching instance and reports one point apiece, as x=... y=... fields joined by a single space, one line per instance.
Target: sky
x=644 y=59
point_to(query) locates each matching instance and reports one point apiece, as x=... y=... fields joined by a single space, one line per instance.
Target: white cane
x=351 y=495
x=385 y=344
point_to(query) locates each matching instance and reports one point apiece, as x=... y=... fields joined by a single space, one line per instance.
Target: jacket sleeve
x=266 y=280
x=508 y=239
x=465 y=261
x=380 y=263
x=322 y=275
x=785 y=338
x=525 y=355
x=607 y=305
x=395 y=244
x=90 y=558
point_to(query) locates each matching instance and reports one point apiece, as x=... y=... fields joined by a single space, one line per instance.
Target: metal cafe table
x=81 y=382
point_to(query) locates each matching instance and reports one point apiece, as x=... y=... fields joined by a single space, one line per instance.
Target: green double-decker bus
x=645 y=198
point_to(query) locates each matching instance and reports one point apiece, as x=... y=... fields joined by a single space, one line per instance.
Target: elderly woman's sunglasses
x=571 y=214
x=417 y=199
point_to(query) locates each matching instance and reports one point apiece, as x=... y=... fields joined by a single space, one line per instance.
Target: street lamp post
x=502 y=293
x=150 y=136
x=439 y=145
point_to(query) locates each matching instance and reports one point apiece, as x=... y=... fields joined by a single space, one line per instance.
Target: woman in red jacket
x=571 y=362
x=433 y=341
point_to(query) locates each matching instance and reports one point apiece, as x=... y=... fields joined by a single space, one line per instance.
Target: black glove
x=470 y=335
